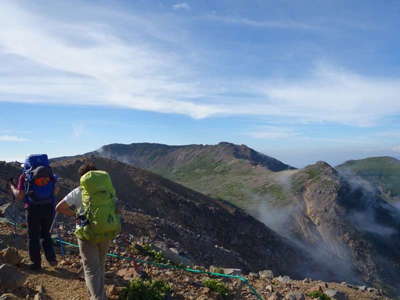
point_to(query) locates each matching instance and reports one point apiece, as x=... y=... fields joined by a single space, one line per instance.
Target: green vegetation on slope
x=235 y=181
x=235 y=173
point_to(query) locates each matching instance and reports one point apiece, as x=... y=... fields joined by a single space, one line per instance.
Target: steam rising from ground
x=367 y=217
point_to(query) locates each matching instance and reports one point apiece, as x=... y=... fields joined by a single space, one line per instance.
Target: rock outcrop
x=347 y=226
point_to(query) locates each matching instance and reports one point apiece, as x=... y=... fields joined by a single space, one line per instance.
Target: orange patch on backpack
x=42 y=181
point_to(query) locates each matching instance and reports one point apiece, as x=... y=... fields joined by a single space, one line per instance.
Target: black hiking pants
x=39 y=219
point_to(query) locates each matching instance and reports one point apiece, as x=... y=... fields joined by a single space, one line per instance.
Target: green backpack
x=99 y=208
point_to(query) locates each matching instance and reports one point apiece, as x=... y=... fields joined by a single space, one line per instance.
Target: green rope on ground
x=166 y=266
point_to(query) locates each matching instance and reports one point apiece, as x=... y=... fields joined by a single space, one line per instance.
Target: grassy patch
x=218 y=287
x=139 y=289
x=148 y=251
x=319 y=295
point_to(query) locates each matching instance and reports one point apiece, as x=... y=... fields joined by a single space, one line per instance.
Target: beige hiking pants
x=93 y=260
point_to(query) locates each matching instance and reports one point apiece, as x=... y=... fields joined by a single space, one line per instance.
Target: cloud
x=283 y=24
x=396 y=149
x=336 y=95
x=12 y=138
x=92 y=62
x=78 y=129
x=181 y=6
x=104 y=70
x=272 y=132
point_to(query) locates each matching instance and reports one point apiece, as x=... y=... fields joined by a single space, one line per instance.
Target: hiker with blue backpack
x=93 y=203
x=36 y=186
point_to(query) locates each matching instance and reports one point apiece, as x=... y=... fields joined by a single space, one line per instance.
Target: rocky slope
x=379 y=172
x=204 y=230
x=66 y=281
x=343 y=224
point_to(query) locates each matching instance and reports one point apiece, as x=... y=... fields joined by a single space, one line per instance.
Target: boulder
x=8 y=296
x=172 y=255
x=38 y=296
x=11 y=277
x=10 y=256
x=372 y=290
x=5 y=210
x=275 y=296
x=266 y=274
x=295 y=296
x=112 y=291
x=128 y=273
x=283 y=279
x=336 y=295
x=231 y=271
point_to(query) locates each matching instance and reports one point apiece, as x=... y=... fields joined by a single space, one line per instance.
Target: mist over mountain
x=382 y=173
x=343 y=224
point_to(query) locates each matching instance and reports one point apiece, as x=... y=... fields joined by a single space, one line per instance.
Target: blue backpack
x=39 y=180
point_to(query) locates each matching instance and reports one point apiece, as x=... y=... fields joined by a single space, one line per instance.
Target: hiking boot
x=53 y=263
x=34 y=267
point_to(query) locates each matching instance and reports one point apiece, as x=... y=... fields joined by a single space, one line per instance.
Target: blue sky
x=297 y=80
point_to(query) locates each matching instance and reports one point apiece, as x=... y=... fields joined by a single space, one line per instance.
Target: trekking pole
x=11 y=182
x=53 y=223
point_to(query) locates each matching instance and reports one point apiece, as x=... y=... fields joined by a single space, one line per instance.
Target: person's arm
x=18 y=191
x=63 y=208
x=66 y=205
x=19 y=195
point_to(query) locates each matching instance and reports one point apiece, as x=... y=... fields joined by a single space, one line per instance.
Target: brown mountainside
x=206 y=231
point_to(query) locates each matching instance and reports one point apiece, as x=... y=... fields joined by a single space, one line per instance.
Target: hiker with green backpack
x=93 y=204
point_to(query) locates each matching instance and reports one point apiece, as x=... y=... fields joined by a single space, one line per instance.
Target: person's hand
x=11 y=183
x=12 y=187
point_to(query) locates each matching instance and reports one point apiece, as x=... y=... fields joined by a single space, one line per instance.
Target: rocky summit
x=346 y=225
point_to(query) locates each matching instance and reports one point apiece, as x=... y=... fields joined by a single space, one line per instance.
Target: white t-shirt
x=74 y=199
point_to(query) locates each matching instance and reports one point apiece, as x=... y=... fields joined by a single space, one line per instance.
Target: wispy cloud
x=277 y=24
x=78 y=129
x=181 y=6
x=337 y=95
x=12 y=138
x=90 y=63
